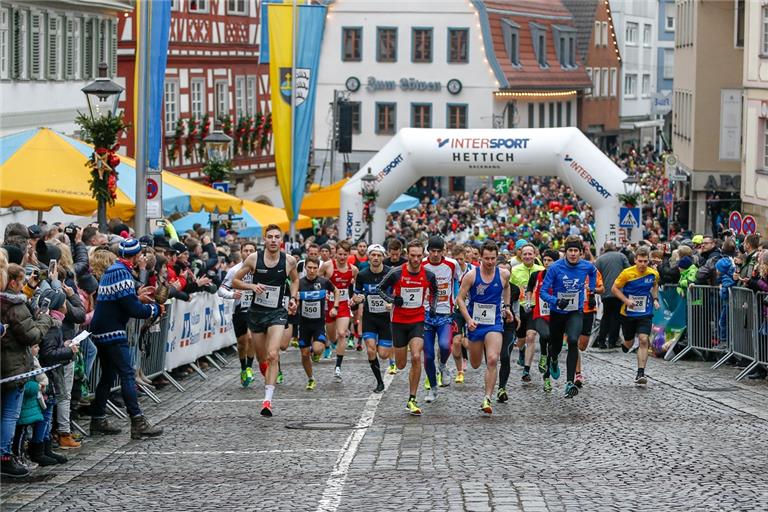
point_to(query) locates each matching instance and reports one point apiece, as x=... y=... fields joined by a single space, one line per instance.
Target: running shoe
x=294 y=343
x=413 y=408
x=579 y=381
x=280 y=377
x=526 y=378
x=266 y=409
x=439 y=379
x=427 y=385
x=327 y=353
x=359 y=345
x=311 y=384
x=636 y=345
x=379 y=387
x=248 y=377
x=521 y=357
x=392 y=370
x=547 y=385
x=554 y=369
x=459 y=378
x=431 y=396
x=542 y=364
x=641 y=379
x=486 y=407
x=337 y=373
x=571 y=390
x=243 y=378
x=315 y=358
x=502 y=396
x=351 y=343
x=444 y=378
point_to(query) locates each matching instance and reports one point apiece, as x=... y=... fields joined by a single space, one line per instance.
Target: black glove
x=562 y=304
x=398 y=301
x=592 y=302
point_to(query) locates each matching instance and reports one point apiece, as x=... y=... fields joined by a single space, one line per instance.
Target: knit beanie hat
x=723 y=265
x=129 y=247
x=55 y=298
x=685 y=262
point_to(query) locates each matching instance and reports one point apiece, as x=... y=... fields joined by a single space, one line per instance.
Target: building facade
x=754 y=169
x=213 y=74
x=707 y=107
x=476 y=64
x=665 y=67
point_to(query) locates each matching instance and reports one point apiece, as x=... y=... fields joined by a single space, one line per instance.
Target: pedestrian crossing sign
x=629 y=217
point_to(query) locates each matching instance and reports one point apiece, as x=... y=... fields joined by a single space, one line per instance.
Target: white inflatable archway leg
x=418 y=152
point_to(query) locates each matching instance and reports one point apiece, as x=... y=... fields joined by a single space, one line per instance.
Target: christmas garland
x=190 y=143
x=369 y=204
x=103 y=133
x=205 y=129
x=175 y=146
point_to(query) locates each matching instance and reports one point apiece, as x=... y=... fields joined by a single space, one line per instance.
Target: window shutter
x=53 y=47
x=113 y=47
x=88 y=26
x=69 y=49
x=36 y=49
x=101 y=28
x=15 y=66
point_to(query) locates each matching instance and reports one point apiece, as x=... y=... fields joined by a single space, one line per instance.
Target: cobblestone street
x=693 y=440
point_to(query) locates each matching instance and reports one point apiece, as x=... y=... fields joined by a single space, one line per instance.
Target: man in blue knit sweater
x=116 y=303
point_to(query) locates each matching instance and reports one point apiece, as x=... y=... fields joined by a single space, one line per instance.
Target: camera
x=71 y=231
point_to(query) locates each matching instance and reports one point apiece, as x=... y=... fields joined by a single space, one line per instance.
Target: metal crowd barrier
x=742 y=322
x=703 y=303
x=761 y=328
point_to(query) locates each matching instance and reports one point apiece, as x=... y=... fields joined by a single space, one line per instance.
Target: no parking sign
x=734 y=222
x=748 y=225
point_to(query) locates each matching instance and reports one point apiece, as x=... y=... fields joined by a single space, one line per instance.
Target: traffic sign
x=152 y=188
x=221 y=186
x=501 y=184
x=735 y=222
x=629 y=217
x=748 y=225
x=668 y=198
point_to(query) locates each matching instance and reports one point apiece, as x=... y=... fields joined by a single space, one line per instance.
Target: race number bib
x=572 y=298
x=376 y=304
x=443 y=292
x=412 y=297
x=310 y=309
x=269 y=298
x=343 y=295
x=484 y=314
x=246 y=299
x=639 y=303
x=544 y=308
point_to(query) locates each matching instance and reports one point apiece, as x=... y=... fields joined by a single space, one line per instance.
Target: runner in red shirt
x=408 y=287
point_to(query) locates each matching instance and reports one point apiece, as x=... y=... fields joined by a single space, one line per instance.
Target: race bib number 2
x=412 y=297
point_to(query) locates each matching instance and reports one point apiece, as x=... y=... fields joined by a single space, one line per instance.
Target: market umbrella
x=255 y=215
x=41 y=168
x=326 y=201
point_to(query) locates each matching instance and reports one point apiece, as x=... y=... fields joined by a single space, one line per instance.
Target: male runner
x=520 y=275
x=488 y=291
x=638 y=288
x=563 y=289
x=376 y=322
x=267 y=315
x=439 y=321
x=540 y=314
x=408 y=287
x=342 y=275
x=508 y=337
x=462 y=254
x=360 y=260
x=395 y=254
x=313 y=293
x=587 y=324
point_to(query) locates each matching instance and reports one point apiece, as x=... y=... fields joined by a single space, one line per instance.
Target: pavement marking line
x=331 y=498
x=278 y=400
x=227 y=452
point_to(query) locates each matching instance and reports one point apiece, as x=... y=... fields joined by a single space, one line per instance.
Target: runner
x=376 y=322
x=638 y=288
x=267 y=316
x=460 y=341
x=589 y=321
x=508 y=337
x=438 y=322
x=313 y=293
x=407 y=287
x=485 y=287
x=360 y=260
x=563 y=289
x=540 y=314
x=342 y=275
x=520 y=275
x=395 y=254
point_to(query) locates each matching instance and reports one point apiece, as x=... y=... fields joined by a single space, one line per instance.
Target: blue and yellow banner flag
x=293 y=92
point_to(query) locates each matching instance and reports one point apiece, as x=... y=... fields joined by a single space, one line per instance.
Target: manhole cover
x=698 y=387
x=321 y=425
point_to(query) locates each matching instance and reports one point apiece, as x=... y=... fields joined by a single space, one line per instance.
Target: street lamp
x=369 y=201
x=217 y=147
x=631 y=185
x=101 y=128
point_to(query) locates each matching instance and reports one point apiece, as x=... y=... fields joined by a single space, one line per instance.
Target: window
x=174 y=5
x=568 y=114
x=559 y=114
x=197 y=97
x=421 y=115
x=530 y=116
x=765 y=145
x=551 y=115
x=355 y=106
x=21 y=46
x=604 y=86
x=240 y=108
x=669 y=64
x=604 y=33
x=36 y=48
x=646 y=35
x=457 y=116
x=630 y=86
x=614 y=81
x=222 y=99
x=631 y=34
x=542 y=107
x=596 y=82
x=539 y=36
x=351 y=44
x=5 y=44
x=55 y=47
x=589 y=74
x=421 y=45
x=198 y=6
x=646 y=86
x=764 y=35
x=237 y=7
x=565 y=38
x=386 y=44
x=250 y=95
x=171 y=103
x=385 y=118
x=458 y=45
x=669 y=17
x=598 y=34
x=511 y=33
x=739 y=21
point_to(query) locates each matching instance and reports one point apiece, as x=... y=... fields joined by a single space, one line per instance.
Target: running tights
x=565 y=325
x=443 y=334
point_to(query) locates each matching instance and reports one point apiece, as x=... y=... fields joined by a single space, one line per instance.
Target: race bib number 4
x=484 y=314
x=572 y=298
x=639 y=303
x=310 y=309
x=376 y=304
x=269 y=298
x=412 y=297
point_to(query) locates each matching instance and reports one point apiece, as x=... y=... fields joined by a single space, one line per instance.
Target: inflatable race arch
x=418 y=152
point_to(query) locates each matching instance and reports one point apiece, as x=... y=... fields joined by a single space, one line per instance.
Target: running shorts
x=309 y=332
x=240 y=322
x=260 y=321
x=344 y=312
x=588 y=323
x=525 y=322
x=402 y=334
x=378 y=328
x=634 y=325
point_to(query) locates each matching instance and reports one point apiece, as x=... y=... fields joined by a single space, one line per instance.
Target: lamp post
x=369 y=199
x=103 y=96
x=217 y=148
